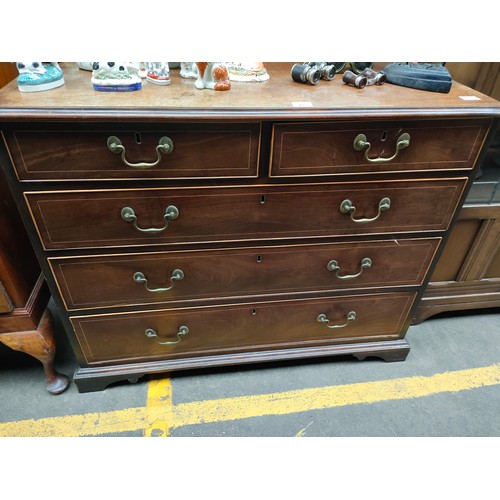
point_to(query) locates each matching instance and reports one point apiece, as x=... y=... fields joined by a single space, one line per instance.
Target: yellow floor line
x=328 y=397
x=160 y=414
x=88 y=424
x=158 y=405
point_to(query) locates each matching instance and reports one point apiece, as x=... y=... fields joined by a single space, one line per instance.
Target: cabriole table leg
x=40 y=344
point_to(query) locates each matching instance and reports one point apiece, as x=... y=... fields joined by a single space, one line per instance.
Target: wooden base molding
x=98 y=378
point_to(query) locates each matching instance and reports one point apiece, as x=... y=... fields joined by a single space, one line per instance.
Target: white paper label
x=470 y=98
x=302 y=104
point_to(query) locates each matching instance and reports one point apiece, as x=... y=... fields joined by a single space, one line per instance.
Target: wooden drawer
x=199 y=151
x=129 y=337
x=310 y=149
x=174 y=277
x=106 y=218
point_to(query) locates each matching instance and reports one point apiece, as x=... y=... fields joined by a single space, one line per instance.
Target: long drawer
x=332 y=148
x=170 y=334
x=209 y=275
x=169 y=151
x=130 y=217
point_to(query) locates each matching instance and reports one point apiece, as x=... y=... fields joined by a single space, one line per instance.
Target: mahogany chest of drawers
x=180 y=228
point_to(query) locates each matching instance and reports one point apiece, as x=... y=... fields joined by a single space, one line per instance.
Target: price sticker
x=302 y=104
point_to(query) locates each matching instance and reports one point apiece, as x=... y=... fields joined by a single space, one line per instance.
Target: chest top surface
x=278 y=98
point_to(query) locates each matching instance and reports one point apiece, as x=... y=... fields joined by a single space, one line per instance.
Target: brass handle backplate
x=334 y=266
x=128 y=215
x=360 y=143
x=165 y=146
x=323 y=318
x=177 y=275
x=183 y=330
x=346 y=207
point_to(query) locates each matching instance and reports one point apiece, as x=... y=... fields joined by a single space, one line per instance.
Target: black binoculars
x=313 y=72
x=355 y=67
x=360 y=74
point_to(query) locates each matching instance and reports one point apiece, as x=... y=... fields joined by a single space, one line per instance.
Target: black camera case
x=422 y=76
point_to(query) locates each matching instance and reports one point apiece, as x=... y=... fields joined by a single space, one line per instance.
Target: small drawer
x=170 y=151
x=233 y=329
x=210 y=275
x=107 y=218
x=309 y=149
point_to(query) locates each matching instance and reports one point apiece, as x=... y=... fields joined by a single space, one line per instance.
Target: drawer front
x=305 y=149
x=198 y=215
x=174 y=277
x=199 y=151
x=170 y=334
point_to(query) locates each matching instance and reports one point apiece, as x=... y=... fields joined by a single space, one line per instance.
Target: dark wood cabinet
x=467 y=275
x=284 y=221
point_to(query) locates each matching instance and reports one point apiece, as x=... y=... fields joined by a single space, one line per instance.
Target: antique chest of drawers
x=180 y=228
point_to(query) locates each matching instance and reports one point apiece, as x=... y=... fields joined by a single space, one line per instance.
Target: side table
x=25 y=320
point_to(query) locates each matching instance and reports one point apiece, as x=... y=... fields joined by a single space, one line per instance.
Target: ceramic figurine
x=89 y=66
x=212 y=75
x=142 y=69
x=189 y=70
x=38 y=76
x=85 y=66
x=158 y=73
x=247 y=72
x=116 y=76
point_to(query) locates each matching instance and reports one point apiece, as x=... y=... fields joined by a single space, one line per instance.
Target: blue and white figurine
x=116 y=76
x=38 y=76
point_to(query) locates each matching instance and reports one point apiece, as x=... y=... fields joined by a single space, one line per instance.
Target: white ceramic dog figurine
x=189 y=70
x=209 y=75
x=115 y=76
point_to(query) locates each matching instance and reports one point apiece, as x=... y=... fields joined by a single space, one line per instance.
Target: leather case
x=422 y=76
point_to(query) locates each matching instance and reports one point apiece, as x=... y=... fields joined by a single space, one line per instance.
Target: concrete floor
x=448 y=386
